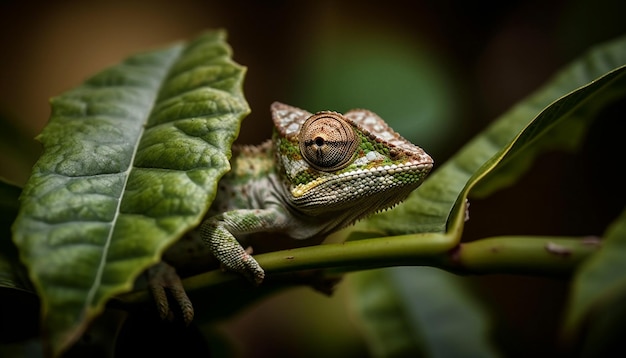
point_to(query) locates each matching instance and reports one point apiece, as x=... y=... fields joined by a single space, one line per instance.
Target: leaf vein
x=91 y=294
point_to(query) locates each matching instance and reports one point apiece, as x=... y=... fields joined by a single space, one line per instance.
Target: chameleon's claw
x=254 y=271
x=163 y=279
x=246 y=266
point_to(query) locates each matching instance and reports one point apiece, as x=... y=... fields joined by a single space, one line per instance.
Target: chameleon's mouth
x=349 y=185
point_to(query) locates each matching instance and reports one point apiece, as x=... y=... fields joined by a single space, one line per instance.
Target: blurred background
x=437 y=71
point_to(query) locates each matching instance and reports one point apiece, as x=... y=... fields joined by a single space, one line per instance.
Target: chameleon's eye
x=327 y=141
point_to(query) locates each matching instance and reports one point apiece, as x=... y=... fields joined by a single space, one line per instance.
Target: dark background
x=438 y=71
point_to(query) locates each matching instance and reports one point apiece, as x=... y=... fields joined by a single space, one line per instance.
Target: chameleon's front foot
x=216 y=233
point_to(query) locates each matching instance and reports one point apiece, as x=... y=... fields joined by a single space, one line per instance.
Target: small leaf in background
x=131 y=161
x=598 y=291
x=420 y=311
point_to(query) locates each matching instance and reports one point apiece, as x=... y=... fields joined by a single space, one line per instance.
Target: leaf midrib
x=107 y=244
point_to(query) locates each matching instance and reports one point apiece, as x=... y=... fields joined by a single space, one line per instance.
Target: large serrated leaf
x=131 y=161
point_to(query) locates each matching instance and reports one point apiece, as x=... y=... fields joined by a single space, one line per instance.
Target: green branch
x=545 y=255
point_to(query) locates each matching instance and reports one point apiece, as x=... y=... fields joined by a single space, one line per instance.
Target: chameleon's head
x=354 y=161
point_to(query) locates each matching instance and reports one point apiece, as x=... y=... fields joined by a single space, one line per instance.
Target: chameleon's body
x=319 y=173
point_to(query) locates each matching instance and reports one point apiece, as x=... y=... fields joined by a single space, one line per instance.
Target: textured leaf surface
x=131 y=161
x=420 y=311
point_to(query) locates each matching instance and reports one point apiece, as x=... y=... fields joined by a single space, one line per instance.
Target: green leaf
x=408 y=311
x=556 y=115
x=131 y=161
x=600 y=282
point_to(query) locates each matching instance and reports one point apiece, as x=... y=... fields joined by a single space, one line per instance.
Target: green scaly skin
x=275 y=188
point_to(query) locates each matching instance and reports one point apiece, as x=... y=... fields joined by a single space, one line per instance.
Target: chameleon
x=319 y=173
